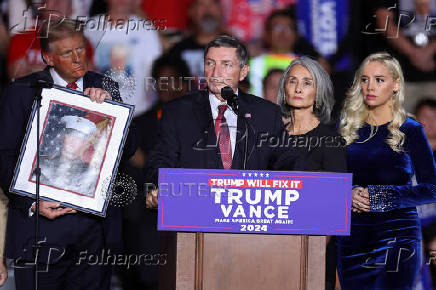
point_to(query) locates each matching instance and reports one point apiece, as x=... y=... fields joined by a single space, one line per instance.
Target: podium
x=209 y=261
x=236 y=229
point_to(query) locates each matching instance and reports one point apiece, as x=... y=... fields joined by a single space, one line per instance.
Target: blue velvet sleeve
x=390 y=197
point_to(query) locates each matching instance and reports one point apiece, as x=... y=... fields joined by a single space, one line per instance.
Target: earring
x=315 y=107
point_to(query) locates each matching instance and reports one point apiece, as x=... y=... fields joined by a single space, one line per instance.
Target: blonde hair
x=355 y=111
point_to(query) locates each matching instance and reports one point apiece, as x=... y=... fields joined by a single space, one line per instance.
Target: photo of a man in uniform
x=73 y=152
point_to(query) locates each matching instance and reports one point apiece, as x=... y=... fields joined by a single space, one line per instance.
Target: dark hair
x=270 y=73
x=288 y=13
x=425 y=103
x=59 y=28
x=176 y=63
x=230 y=41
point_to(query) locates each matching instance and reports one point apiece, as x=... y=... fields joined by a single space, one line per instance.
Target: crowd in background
x=154 y=50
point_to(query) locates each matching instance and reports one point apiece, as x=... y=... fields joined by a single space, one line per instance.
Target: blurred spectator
x=24 y=56
x=176 y=71
x=22 y=13
x=125 y=47
x=282 y=44
x=98 y=7
x=175 y=18
x=426 y=114
x=403 y=28
x=169 y=80
x=206 y=23
x=80 y=8
x=326 y=25
x=140 y=233
x=120 y=70
x=245 y=19
x=271 y=84
x=4 y=44
x=333 y=27
x=244 y=85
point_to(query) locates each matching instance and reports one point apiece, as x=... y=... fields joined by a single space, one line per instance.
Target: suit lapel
x=208 y=141
x=88 y=82
x=45 y=75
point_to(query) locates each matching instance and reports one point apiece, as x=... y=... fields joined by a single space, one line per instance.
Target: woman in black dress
x=305 y=95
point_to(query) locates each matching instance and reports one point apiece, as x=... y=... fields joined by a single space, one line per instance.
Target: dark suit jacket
x=15 y=109
x=188 y=140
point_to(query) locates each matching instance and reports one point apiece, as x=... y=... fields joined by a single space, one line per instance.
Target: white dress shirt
x=231 y=118
x=58 y=80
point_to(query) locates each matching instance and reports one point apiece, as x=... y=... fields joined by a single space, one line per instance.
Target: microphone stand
x=36 y=246
x=233 y=103
x=39 y=85
x=246 y=143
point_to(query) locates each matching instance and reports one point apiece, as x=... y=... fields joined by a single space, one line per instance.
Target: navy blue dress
x=383 y=250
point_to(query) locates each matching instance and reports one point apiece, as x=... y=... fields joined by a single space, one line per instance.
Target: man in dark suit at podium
x=190 y=125
x=64 y=234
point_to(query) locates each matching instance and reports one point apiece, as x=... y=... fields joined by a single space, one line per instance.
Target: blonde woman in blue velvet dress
x=393 y=172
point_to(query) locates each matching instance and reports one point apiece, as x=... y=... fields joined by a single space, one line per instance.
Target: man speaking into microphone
x=203 y=130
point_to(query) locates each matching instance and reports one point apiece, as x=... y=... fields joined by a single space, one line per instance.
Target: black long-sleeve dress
x=322 y=149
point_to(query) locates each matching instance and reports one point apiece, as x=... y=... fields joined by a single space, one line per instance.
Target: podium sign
x=260 y=202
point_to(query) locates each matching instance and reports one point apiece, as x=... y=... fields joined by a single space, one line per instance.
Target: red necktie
x=223 y=136
x=72 y=86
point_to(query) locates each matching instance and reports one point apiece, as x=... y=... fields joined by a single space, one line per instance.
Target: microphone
x=47 y=84
x=231 y=98
x=229 y=95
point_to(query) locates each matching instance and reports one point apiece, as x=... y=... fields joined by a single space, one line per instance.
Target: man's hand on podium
x=151 y=199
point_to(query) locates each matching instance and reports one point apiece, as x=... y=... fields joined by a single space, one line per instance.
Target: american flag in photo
x=54 y=129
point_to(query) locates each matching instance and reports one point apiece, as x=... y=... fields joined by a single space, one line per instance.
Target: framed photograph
x=81 y=143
